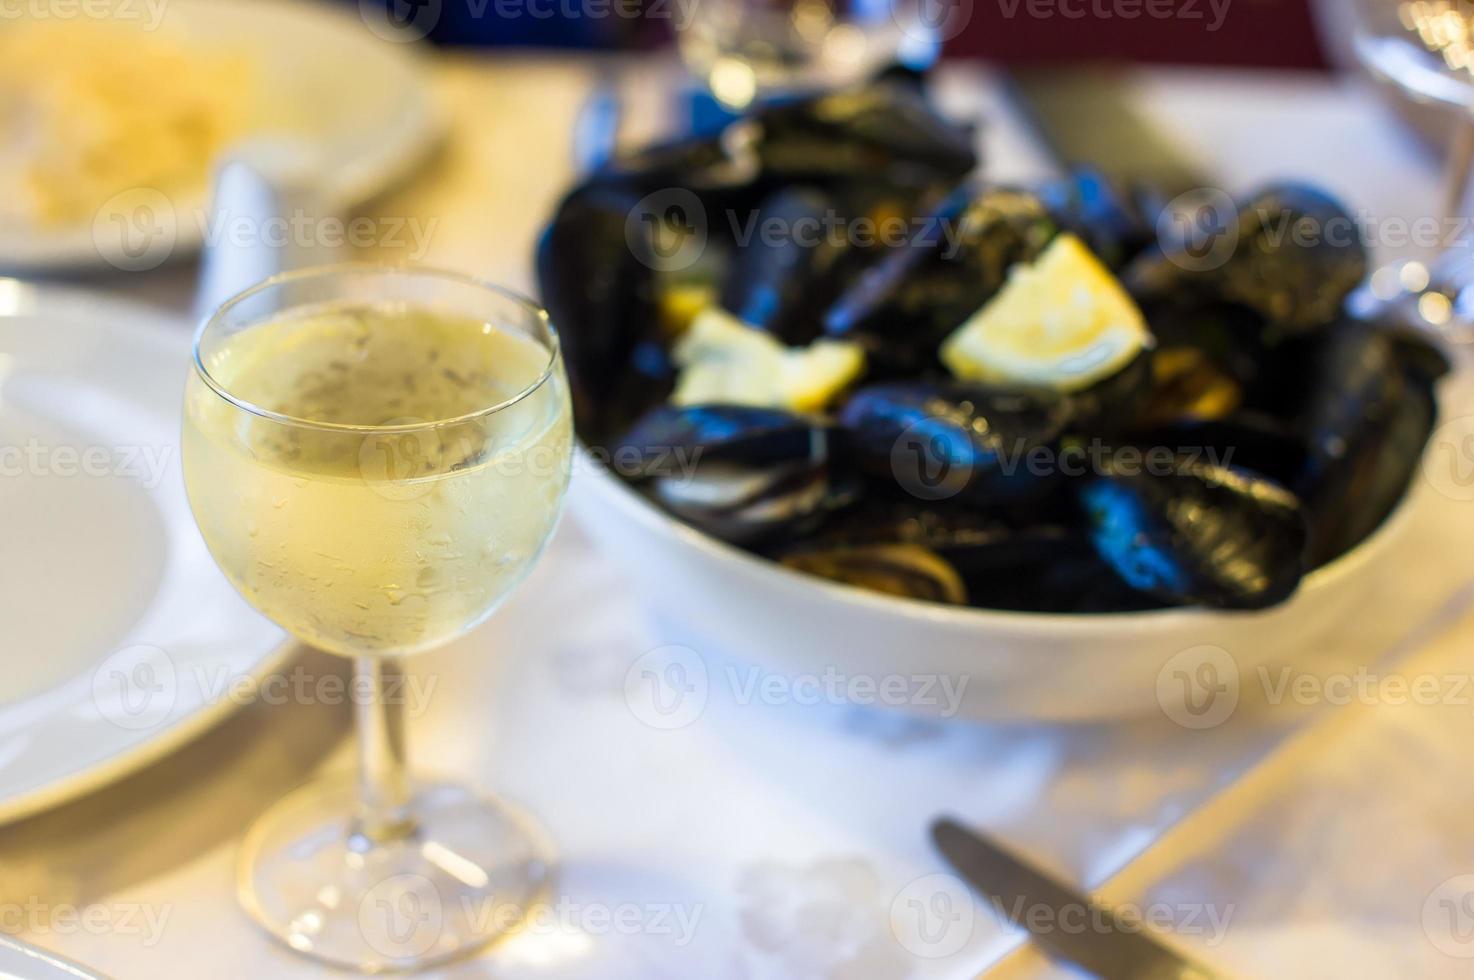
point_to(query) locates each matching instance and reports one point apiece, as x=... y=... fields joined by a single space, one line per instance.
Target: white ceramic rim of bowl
x=1326 y=577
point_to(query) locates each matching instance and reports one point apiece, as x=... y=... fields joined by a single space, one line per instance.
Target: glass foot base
x=469 y=873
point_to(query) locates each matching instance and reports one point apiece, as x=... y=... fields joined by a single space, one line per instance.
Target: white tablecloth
x=789 y=841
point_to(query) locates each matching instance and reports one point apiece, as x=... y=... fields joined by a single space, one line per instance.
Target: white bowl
x=1017 y=665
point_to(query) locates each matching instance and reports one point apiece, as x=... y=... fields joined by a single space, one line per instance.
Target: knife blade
x=1088 y=118
x=1065 y=923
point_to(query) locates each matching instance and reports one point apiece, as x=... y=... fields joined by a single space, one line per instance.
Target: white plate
x=25 y=962
x=121 y=637
x=360 y=104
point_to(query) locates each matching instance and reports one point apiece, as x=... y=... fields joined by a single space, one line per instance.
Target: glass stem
x=383 y=780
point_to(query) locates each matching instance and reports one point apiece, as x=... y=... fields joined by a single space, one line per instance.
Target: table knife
x=1065 y=923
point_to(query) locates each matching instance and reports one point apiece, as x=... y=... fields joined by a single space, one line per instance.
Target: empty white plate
x=120 y=639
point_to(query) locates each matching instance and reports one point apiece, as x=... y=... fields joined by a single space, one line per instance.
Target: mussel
x=1365 y=413
x=1290 y=253
x=596 y=275
x=987 y=444
x=740 y=473
x=1243 y=439
x=1106 y=217
x=792 y=263
x=909 y=571
x=1189 y=531
x=944 y=552
x=959 y=256
x=883 y=129
x=1042 y=568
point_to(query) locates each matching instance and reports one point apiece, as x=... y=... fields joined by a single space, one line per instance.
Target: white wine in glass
x=376 y=457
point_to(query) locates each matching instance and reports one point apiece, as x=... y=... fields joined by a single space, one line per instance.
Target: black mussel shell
x=669 y=439
x=905 y=305
x=1244 y=440
x=1290 y=253
x=1299 y=255
x=909 y=571
x=597 y=282
x=1230 y=337
x=1190 y=532
x=1109 y=405
x=1032 y=566
x=740 y=473
x=792 y=262
x=933 y=440
x=1042 y=568
x=1187 y=385
x=1422 y=358
x=884 y=126
x=884 y=129
x=1104 y=216
x=1348 y=504
x=1366 y=412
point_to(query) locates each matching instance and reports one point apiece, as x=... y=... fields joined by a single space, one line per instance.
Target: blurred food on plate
x=93 y=108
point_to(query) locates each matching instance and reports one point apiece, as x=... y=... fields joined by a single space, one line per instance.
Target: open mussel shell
x=905 y=305
x=1290 y=253
x=909 y=571
x=740 y=473
x=986 y=444
x=1190 y=532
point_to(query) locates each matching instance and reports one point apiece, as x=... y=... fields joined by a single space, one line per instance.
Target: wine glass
x=1425 y=49
x=743 y=49
x=376 y=456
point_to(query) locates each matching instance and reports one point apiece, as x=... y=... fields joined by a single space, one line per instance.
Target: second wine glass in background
x=744 y=50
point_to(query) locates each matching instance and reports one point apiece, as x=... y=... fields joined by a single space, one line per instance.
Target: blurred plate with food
x=110 y=128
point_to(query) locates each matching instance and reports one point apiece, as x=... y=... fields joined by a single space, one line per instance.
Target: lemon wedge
x=1063 y=321
x=724 y=361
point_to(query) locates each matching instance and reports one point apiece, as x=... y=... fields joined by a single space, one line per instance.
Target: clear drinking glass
x=1425 y=49
x=376 y=457
x=744 y=48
